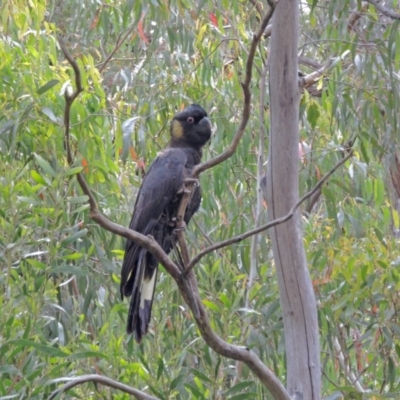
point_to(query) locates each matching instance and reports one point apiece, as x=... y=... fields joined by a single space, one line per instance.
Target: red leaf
x=95 y=19
x=213 y=19
x=169 y=324
x=141 y=166
x=141 y=31
x=85 y=165
x=317 y=171
x=133 y=153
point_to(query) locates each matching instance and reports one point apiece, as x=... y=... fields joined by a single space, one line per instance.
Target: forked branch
x=275 y=222
x=190 y=292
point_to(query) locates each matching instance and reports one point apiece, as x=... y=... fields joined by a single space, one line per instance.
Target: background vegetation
x=141 y=62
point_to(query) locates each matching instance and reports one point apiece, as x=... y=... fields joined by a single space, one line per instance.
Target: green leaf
x=48 y=350
x=73 y=171
x=47 y=86
x=50 y=114
x=78 y=199
x=238 y=387
x=250 y=395
x=200 y=375
x=128 y=127
x=45 y=165
x=211 y=305
x=195 y=392
x=74 y=237
x=38 y=178
x=313 y=114
x=86 y=354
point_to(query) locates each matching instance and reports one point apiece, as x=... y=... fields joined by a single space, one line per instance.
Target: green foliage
x=59 y=302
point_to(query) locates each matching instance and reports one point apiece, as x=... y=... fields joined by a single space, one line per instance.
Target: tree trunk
x=296 y=292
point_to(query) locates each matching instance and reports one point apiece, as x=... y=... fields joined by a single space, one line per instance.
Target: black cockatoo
x=155 y=211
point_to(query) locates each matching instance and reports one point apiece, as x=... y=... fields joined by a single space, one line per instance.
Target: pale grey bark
x=296 y=291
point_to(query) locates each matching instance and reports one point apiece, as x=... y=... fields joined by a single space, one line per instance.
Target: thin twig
x=69 y=99
x=117 y=46
x=266 y=376
x=275 y=222
x=138 y=394
x=246 y=103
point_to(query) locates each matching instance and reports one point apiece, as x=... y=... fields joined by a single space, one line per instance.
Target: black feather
x=156 y=206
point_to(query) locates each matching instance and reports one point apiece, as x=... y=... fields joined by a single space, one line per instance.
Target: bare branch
x=266 y=376
x=309 y=62
x=348 y=373
x=246 y=104
x=310 y=79
x=74 y=65
x=190 y=292
x=275 y=222
x=69 y=99
x=384 y=10
x=138 y=394
x=117 y=46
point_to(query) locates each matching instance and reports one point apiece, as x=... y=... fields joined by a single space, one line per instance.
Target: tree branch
x=117 y=46
x=266 y=376
x=309 y=62
x=188 y=188
x=104 y=381
x=247 y=102
x=310 y=79
x=275 y=222
x=384 y=10
x=348 y=373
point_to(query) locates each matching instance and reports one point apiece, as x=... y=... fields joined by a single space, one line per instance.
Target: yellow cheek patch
x=176 y=129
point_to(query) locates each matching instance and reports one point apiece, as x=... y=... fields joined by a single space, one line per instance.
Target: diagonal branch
x=138 y=394
x=266 y=376
x=384 y=10
x=275 y=222
x=246 y=104
x=348 y=373
x=120 y=40
x=310 y=79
